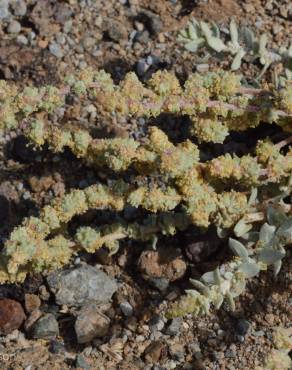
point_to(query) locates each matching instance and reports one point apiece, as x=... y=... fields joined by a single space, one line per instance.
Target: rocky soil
x=108 y=312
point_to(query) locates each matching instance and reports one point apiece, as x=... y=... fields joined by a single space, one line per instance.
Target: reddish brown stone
x=11 y=315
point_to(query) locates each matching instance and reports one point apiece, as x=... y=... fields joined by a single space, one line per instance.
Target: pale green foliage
x=242 y=44
x=179 y=189
x=256 y=251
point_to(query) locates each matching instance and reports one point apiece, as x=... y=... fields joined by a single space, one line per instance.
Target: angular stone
x=80 y=285
x=45 y=328
x=31 y=302
x=91 y=323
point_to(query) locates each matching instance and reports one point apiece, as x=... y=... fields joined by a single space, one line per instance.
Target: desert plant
x=241 y=45
x=231 y=192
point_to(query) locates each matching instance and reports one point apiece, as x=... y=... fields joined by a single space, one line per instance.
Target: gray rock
x=88 y=42
x=19 y=8
x=159 y=283
x=126 y=308
x=153 y=22
x=91 y=323
x=80 y=285
x=56 y=50
x=21 y=39
x=241 y=327
x=56 y=346
x=14 y=27
x=45 y=328
x=142 y=37
x=4 y=12
x=174 y=326
x=141 y=67
x=156 y=323
x=81 y=363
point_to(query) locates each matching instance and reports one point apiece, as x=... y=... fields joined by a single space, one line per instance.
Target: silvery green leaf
x=277 y=267
x=270 y=256
x=253 y=196
x=216 y=44
x=218 y=301
x=252 y=236
x=200 y=286
x=267 y=233
x=248 y=37
x=215 y=29
x=241 y=228
x=230 y=301
x=217 y=276
x=194 y=45
x=238 y=248
x=192 y=31
x=249 y=269
x=262 y=44
x=222 y=233
x=233 y=32
x=236 y=63
x=275 y=216
x=183 y=34
x=205 y=29
x=228 y=275
x=285 y=232
x=288 y=73
x=208 y=278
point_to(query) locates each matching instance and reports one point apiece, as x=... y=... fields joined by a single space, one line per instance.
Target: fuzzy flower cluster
x=216 y=101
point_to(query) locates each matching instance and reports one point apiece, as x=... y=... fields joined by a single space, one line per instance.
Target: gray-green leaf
x=238 y=248
x=249 y=269
x=270 y=256
x=267 y=233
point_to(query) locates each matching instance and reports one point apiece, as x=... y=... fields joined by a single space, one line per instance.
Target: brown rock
x=11 y=315
x=33 y=317
x=164 y=262
x=31 y=302
x=155 y=351
x=91 y=323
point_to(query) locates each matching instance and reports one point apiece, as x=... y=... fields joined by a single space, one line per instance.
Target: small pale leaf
x=216 y=44
x=241 y=228
x=208 y=277
x=249 y=269
x=238 y=248
x=270 y=256
x=277 y=267
x=275 y=216
x=233 y=32
x=206 y=30
x=267 y=233
x=285 y=232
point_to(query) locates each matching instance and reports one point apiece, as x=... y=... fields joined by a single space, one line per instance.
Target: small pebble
x=81 y=363
x=241 y=327
x=126 y=308
x=21 y=39
x=56 y=50
x=174 y=326
x=19 y=8
x=45 y=328
x=14 y=27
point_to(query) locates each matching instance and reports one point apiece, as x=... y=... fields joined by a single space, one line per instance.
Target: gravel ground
x=42 y=328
